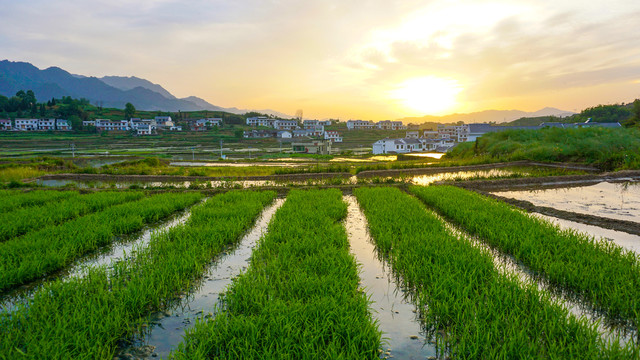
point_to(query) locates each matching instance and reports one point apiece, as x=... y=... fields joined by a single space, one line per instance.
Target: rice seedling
x=84 y=318
x=21 y=221
x=52 y=248
x=469 y=307
x=299 y=299
x=598 y=271
x=12 y=199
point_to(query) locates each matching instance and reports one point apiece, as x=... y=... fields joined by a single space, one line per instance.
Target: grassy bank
x=606 y=148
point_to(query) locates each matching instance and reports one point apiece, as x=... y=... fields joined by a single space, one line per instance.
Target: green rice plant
x=299 y=299
x=12 y=199
x=84 y=318
x=22 y=221
x=595 y=270
x=471 y=309
x=52 y=248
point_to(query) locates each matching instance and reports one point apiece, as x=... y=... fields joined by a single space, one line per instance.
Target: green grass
x=299 y=299
x=52 y=248
x=472 y=309
x=83 y=318
x=598 y=271
x=606 y=148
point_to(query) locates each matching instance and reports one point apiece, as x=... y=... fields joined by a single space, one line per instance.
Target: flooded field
x=627 y=241
x=461 y=175
x=168 y=327
x=397 y=315
x=619 y=201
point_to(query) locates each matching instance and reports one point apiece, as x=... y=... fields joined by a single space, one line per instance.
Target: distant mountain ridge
x=108 y=91
x=498 y=116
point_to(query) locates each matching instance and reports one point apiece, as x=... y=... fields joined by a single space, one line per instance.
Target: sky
x=347 y=59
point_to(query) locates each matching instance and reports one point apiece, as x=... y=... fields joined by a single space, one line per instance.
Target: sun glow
x=428 y=95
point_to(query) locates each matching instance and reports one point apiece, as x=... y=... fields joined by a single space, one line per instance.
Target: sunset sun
x=427 y=95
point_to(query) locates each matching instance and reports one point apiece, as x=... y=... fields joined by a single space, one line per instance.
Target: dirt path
x=449 y=169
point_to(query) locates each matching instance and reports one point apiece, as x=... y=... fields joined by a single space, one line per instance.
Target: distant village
x=311 y=137
x=447 y=136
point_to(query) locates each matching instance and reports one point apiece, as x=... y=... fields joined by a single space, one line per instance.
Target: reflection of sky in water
x=168 y=328
x=627 y=241
x=431 y=178
x=395 y=314
x=619 y=201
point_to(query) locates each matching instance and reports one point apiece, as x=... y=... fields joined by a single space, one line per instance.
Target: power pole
x=73 y=150
x=221 y=157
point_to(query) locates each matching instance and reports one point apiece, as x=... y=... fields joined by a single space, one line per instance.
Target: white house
x=390 y=125
x=46 y=124
x=398 y=146
x=63 y=125
x=211 y=121
x=302 y=132
x=144 y=129
x=5 y=124
x=27 y=124
x=86 y=123
x=459 y=133
x=413 y=134
x=284 y=134
x=260 y=121
x=332 y=135
x=285 y=124
x=111 y=125
x=360 y=125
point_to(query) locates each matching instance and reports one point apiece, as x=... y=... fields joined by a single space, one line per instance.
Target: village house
x=26 y=124
x=260 y=121
x=46 y=124
x=286 y=124
x=63 y=125
x=144 y=129
x=398 y=146
x=360 y=125
x=390 y=125
x=413 y=134
x=332 y=135
x=247 y=134
x=5 y=124
x=284 y=134
x=112 y=125
x=321 y=147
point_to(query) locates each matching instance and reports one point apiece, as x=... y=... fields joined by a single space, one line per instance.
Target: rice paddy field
x=372 y=271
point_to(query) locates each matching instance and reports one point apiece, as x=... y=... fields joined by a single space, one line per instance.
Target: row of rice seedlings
x=21 y=221
x=52 y=248
x=299 y=299
x=84 y=318
x=15 y=199
x=469 y=307
x=595 y=270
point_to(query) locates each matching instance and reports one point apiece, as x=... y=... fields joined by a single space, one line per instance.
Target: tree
x=634 y=120
x=129 y=111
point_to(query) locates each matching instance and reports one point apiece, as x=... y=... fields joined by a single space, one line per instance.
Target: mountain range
x=108 y=91
x=116 y=91
x=498 y=116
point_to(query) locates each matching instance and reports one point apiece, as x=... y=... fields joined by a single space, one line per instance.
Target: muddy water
x=619 y=201
x=627 y=241
x=167 y=328
x=396 y=315
x=431 y=178
x=506 y=264
x=113 y=252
